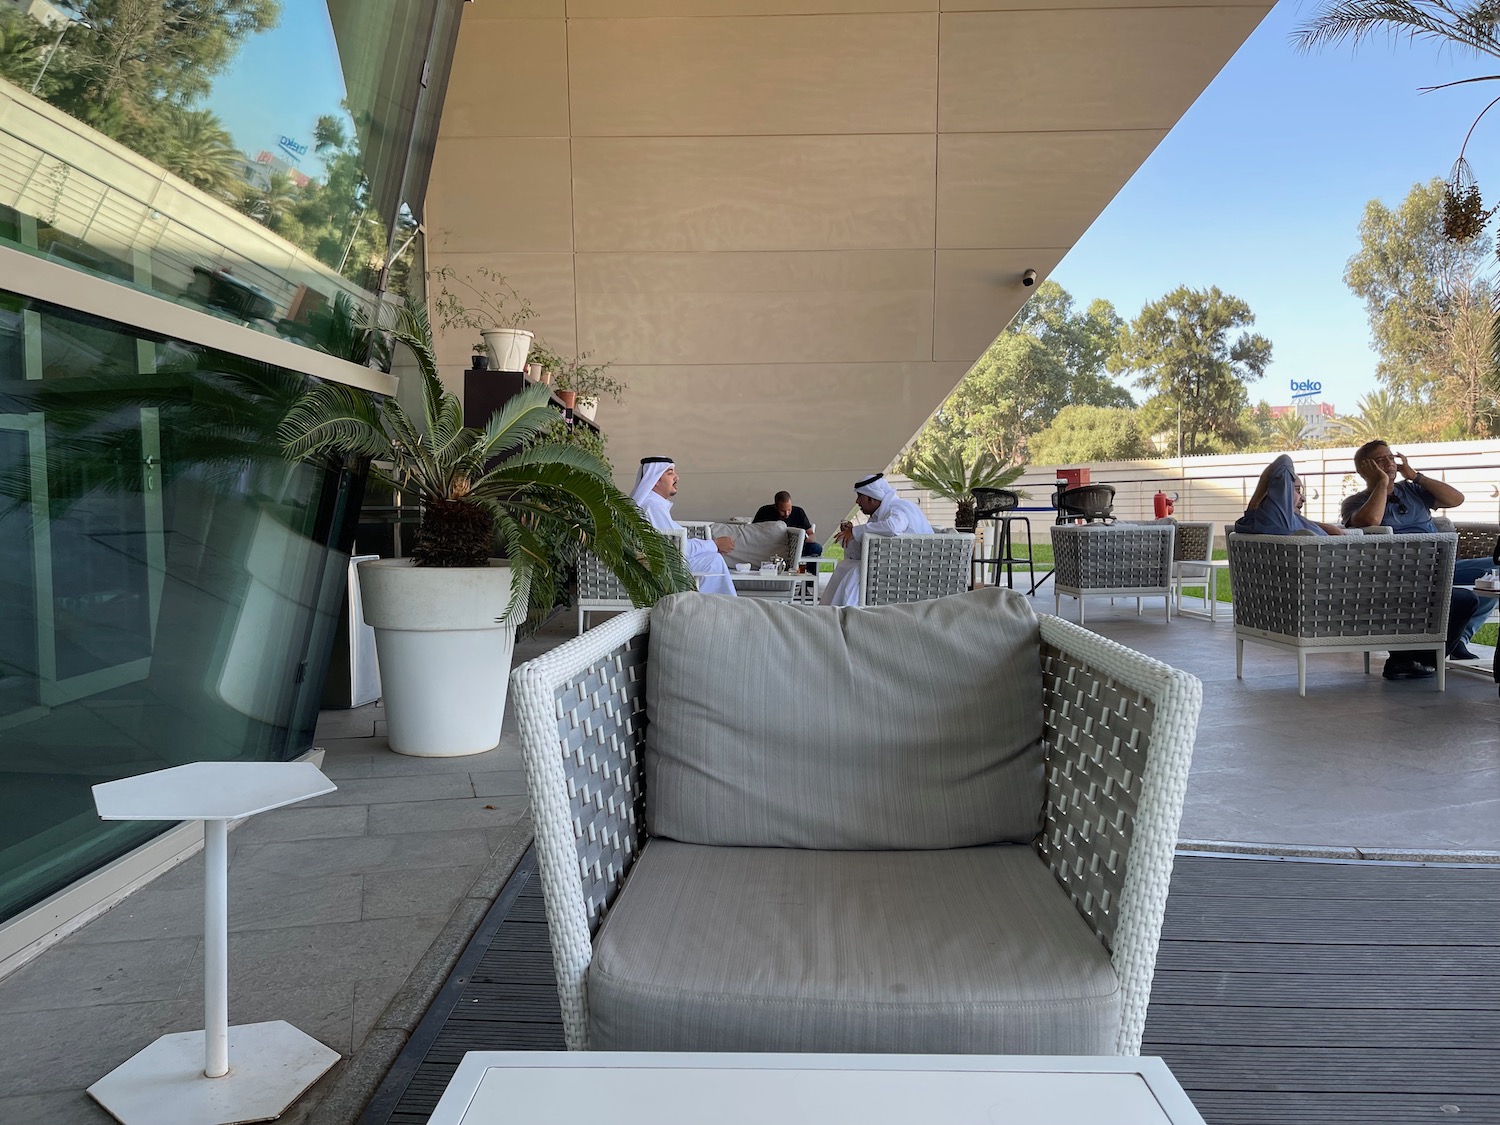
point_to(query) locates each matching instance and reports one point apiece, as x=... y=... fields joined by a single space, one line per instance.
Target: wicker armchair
x=914 y=567
x=1193 y=563
x=1114 y=560
x=1348 y=593
x=711 y=883
x=600 y=591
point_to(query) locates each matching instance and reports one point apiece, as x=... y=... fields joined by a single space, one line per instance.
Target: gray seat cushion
x=975 y=950
x=895 y=727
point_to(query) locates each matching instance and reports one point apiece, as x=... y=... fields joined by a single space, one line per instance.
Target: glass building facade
x=169 y=584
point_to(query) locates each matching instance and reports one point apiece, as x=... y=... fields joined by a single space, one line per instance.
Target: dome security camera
x=1028 y=278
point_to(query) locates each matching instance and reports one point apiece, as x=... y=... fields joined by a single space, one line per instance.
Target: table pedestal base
x=270 y=1065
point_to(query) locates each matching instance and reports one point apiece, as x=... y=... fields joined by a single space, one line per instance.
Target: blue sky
x=1260 y=188
x=281 y=82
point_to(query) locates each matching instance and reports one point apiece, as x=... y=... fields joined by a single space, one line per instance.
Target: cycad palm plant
x=947 y=475
x=540 y=502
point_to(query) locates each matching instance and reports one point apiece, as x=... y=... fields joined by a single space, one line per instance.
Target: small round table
x=185 y=1079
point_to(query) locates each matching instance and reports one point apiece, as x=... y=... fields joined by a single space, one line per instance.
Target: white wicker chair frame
x=1348 y=593
x=1113 y=560
x=1192 y=562
x=1119 y=731
x=598 y=588
x=914 y=567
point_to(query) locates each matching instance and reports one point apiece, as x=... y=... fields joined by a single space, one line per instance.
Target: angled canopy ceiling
x=793 y=225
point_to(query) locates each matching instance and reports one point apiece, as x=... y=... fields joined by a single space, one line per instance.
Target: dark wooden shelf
x=487 y=391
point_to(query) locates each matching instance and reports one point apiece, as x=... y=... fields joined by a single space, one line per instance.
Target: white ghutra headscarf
x=650 y=472
x=876 y=488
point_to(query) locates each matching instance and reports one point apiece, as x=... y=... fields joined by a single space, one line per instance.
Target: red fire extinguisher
x=1163 y=502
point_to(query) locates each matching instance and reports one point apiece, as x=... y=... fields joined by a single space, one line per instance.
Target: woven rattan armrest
x=580 y=710
x=1119 y=730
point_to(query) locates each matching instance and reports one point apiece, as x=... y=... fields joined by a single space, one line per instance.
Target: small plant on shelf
x=587 y=380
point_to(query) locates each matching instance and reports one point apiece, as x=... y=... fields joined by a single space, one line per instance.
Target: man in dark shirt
x=1402 y=499
x=788 y=513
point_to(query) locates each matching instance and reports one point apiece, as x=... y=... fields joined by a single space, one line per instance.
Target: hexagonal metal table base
x=271 y=1064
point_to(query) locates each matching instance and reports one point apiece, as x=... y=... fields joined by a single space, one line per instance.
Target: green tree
x=24 y=44
x=1184 y=350
x=1430 y=305
x=1090 y=433
x=138 y=55
x=1050 y=356
x=1289 y=431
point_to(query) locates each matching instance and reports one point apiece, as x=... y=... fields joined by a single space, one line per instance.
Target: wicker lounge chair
x=599 y=591
x=959 y=842
x=1345 y=593
x=1114 y=560
x=912 y=568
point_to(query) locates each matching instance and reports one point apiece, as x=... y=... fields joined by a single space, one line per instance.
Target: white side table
x=185 y=1079
x=526 y=1087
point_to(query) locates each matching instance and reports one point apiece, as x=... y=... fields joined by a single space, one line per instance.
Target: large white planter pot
x=508 y=347
x=586 y=407
x=444 y=645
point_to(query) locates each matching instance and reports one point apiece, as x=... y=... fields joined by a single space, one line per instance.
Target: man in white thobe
x=655 y=485
x=888 y=515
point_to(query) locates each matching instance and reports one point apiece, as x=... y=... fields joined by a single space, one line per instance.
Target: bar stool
x=997 y=506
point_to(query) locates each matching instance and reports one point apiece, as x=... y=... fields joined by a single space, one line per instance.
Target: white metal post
x=215 y=948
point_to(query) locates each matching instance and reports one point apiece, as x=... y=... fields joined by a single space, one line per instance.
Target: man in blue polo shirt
x=1402 y=499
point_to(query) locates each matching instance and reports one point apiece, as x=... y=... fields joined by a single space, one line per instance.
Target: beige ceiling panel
x=487 y=10
x=1031 y=189
x=786 y=272
x=525 y=97
x=546 y=280
x=488 y=195
x=625 y=8
x=745 y=431
x=756 y=308
x=754 y=193
x=741 y=76
x=978 y=293
x=1082 y=69
x=1044 y=5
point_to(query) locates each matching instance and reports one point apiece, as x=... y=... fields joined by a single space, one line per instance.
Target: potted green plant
x=588 y=382
x=488 y=302
x=445 y=619
x=946 y=474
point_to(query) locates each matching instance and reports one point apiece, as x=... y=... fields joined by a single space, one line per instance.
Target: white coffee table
x=553 y=1087
x=186 y=1078
x=788 y=586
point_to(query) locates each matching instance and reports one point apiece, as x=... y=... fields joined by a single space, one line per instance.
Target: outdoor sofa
x=936 y=827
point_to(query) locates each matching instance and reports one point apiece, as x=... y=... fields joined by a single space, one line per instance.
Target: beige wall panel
x=1082 y=69
x=513 y=9
x=546 y=280
x=734 y=76
x=746 y=431
x=1031 y=189
x=526 y=97
x=500 y=195
x=624 y=8
x=756 y=308
x=978 y=293
x=754 y=193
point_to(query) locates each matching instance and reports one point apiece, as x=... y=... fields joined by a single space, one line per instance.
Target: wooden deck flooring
x=1286 y=991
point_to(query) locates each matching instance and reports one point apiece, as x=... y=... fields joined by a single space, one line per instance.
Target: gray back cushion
x=754 y=543
x=906 y=726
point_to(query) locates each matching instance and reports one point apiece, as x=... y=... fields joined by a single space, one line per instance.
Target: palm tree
x=1470 y=27
x=1380 y=416
x=1289 y=431
x=200 y=150
x=544 y=501
x=275 y=200
x=947 y=475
